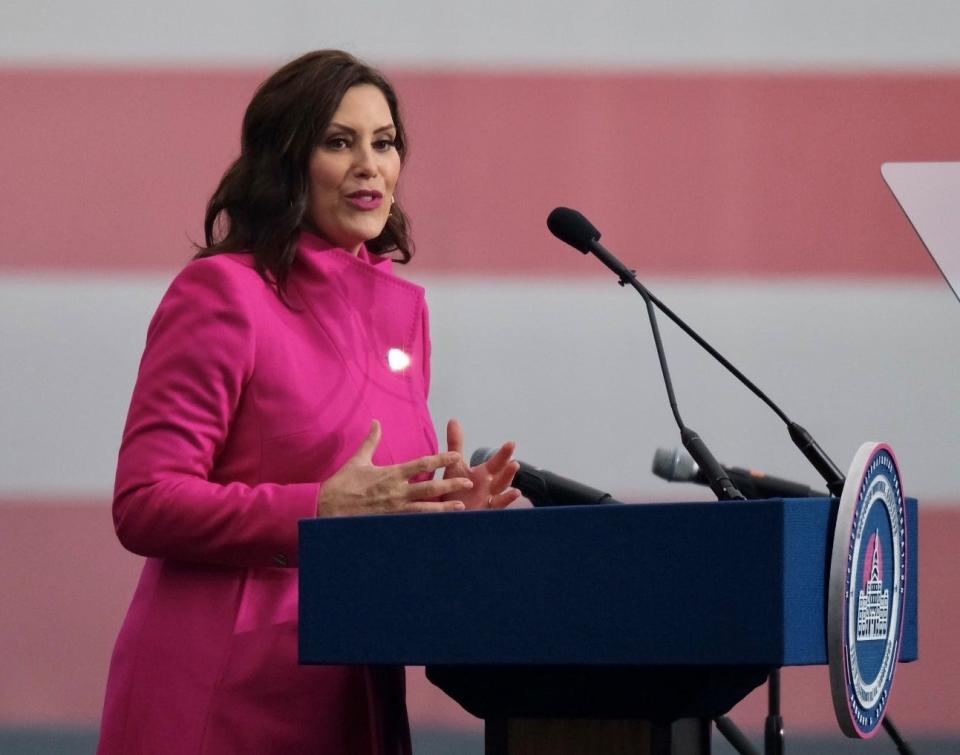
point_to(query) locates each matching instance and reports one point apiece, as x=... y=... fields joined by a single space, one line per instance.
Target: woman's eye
x=382 y=145
x=337 y=142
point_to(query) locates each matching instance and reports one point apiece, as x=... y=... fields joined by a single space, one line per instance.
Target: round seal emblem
x=867 y=590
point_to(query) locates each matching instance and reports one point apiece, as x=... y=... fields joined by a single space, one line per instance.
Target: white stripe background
x=495 y=34
x=567 y=369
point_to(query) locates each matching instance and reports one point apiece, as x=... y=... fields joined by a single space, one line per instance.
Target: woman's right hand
x=361 y=487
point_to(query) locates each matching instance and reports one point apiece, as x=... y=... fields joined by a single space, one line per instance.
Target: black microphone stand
x=801 y=438
x=716 y=475
x=720 y=483
x=734 y=736
x=588 y=240
x=773 y=727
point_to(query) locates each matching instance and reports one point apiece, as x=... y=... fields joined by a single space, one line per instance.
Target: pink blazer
x=242 y=407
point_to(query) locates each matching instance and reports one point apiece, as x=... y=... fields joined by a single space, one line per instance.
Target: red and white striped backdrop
x=732 y=157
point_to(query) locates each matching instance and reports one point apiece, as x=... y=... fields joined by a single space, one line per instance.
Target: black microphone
x=678 y=466
x=543 y=488
x=574 y=229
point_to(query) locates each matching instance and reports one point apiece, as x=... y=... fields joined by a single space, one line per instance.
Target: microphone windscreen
x=572 y=228
x=481 y=456
x=674 y=465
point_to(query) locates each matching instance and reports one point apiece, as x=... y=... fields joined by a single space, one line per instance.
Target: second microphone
x=543 y=488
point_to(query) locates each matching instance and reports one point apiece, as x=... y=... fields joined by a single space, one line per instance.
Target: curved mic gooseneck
x=574 y=229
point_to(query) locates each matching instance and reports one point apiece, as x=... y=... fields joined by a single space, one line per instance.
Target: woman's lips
x=365 y=200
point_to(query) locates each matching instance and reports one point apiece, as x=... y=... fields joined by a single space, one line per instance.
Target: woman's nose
x=365 y=162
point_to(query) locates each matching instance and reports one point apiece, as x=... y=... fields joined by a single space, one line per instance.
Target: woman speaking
x=285 y=376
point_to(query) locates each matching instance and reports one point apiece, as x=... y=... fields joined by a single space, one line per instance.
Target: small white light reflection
x=398 y=359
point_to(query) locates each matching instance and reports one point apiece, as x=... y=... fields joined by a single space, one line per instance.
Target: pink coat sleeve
x=198 y=359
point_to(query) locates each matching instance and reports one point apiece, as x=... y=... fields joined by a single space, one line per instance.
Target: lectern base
x=596 y=736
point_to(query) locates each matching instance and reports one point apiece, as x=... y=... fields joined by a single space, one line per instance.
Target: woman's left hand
x=491 y=480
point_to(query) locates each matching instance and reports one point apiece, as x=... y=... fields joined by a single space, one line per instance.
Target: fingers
x=368 y=447
x=428 y=464
x=361 y=487
x=501 y=458
x=437 y=488
x=431 y=507
x=455 y=436
x=504 y=477
x=504 y=499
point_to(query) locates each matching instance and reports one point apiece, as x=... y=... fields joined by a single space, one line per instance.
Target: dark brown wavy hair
x=260 y=204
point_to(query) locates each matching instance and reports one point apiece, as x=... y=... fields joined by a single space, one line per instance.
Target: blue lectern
x=576 y=625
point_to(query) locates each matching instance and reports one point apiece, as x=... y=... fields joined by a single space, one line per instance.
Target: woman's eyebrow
x=341 y=127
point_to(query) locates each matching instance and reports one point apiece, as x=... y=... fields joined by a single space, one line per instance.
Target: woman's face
x=354 y=171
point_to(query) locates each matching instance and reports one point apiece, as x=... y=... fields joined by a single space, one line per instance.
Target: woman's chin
x=351 y=238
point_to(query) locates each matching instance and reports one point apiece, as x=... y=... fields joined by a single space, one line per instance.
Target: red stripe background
x=61 y=562
x=685 y=173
